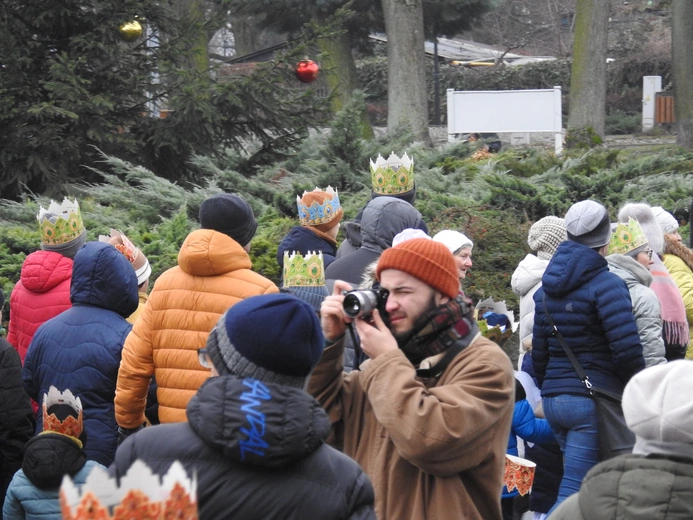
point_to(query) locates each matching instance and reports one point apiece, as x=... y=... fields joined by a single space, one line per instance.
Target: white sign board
x=499 y=111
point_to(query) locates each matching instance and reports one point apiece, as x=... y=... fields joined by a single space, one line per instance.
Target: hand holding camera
x=332 y=316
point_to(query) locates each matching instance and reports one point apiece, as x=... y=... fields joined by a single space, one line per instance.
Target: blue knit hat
x=273 y=338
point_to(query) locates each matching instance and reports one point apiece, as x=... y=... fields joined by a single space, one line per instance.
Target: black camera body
x=361 y=304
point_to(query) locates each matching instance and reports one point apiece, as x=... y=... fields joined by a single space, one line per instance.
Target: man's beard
x=403 y=337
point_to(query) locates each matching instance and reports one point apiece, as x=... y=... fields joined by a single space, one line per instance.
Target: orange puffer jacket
x=213 y=273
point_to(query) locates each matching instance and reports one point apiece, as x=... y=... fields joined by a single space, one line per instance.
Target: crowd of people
x=361 y=387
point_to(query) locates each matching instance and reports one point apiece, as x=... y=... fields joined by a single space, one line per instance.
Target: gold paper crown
x=312 y=212
x=72 y=426
x=626 y=238
x=140 y=495
x=393 y=176
x=304 y=271
x=60 y=223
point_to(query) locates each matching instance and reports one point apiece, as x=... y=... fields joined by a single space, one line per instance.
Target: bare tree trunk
x=339 y=69
x=249 y=37
x=407 y=98
x=682 y=69
x=588 y=75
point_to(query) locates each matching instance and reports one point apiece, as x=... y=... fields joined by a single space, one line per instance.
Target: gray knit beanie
x=545 y=235
x=643 y=214
x=587 y=223
x=274 y=338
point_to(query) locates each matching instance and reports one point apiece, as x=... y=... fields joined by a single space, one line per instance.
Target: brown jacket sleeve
x=450 y=427
x=135 y=373
x=337 y=392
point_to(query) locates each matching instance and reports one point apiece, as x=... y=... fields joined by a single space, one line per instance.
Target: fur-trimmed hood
x=672 y=247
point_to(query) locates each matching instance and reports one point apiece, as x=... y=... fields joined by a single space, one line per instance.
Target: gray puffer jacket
x=633 y=487
x=646 y=308
x=383 y=218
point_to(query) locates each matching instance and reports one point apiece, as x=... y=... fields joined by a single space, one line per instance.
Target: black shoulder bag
x=614 y=436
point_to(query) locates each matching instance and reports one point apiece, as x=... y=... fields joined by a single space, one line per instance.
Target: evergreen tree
x=70 y=86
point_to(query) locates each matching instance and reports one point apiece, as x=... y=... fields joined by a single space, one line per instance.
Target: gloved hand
x=124 y=433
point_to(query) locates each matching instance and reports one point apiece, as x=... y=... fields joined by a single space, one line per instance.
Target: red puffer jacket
x=42 y=293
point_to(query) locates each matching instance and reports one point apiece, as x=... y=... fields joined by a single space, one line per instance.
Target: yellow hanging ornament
x=130 y=31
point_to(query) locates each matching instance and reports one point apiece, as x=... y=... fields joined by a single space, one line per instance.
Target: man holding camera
x=428 y=415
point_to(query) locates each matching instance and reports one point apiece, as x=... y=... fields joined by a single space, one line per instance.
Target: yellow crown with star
x=392 y=176
x=140 y=495
x=626 y=238
x=304 y=271
x=72 y=425
x=60 y=223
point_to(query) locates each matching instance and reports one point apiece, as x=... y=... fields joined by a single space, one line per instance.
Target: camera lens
x=360 y=303
x=352 y=305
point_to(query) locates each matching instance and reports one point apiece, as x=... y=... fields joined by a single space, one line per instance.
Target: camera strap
x=438 y=369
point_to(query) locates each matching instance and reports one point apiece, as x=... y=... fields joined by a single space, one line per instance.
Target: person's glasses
x=203 y=358
x=648 y=252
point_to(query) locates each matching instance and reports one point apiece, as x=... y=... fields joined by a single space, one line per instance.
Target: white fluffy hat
x=658 y=408
x=453 y=240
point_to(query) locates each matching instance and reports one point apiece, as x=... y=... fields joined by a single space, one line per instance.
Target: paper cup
x=519 y=474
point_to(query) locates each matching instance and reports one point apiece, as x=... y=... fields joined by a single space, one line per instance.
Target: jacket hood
x=383 y=218
x=103 y=277
x=572 y=266
x=528 y=274
x=50 y=456
x=255 y=423
x=206 y=252
x=352 y=233
x=633 y=486
x=629 y=270
x=43 y=270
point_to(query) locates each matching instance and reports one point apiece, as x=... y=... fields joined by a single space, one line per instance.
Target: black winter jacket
x=258 y=451
x=16 y=415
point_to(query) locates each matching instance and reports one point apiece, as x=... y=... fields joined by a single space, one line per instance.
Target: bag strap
x=557 y=334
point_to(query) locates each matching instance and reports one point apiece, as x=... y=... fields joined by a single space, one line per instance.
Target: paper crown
x=626 y=238
x=318 y=207
x=139 y=262
x=60 y=223
x=304 y=271
x=393 y=176
x=140 y=495
x=72 y=426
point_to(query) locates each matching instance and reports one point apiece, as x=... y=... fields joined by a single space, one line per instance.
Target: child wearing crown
x=320 y=214
x=43 y=290
x=55 y=452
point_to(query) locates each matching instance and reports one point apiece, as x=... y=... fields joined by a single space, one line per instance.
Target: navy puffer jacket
x=259 y=451
x=303 y=240
x=80 y=348
x=591 y=307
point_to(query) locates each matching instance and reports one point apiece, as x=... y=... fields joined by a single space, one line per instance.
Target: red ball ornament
x=307 y=71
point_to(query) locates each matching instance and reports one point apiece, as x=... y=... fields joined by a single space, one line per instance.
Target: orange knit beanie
x=429 y=261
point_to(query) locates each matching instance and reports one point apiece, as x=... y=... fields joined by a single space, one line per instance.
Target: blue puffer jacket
x=591 y=307
x=80 y=348
x=33 y=493
x=302 y=239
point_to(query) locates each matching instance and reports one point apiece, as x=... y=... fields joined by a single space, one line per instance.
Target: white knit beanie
x=453 y=240
x=658 y=408
x=545 y=235
x=665 y=220
x=645 y=217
